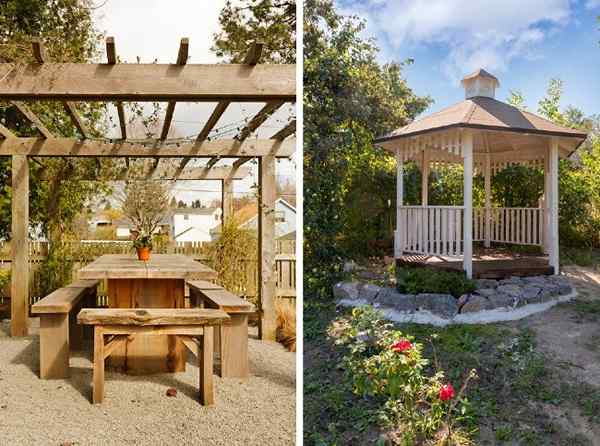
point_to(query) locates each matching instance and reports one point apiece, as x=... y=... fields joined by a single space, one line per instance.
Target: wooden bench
x=232 y=339
x=58 y=329
x=122 y=325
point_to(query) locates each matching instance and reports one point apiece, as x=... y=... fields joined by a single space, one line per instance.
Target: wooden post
x=488 y=200
x=398 y=240
x=546 y=202
x=553 y=205
x=467 y=148
x=19 y=288
x=425 y=178
x=266 y=244
x=226 y=199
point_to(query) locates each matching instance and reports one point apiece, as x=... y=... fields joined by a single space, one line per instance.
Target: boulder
x=443 y=305
x=564 y=289
x=346 y=290
x=513 y=280
x=390 y=297
x=536 y=280
x=486 y=283
x=510 y=289
x=486 y=292
x=531 y=294
x=475 y=303
x=368 y=291
x=502 y=300
x=462 y=300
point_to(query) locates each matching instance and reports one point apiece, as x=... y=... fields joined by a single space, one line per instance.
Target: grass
x=515 y=383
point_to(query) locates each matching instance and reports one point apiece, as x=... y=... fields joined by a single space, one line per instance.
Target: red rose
x=402 y=345
x=446 y=392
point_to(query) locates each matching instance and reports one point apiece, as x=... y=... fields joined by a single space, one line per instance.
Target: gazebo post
x=553 y=205
x=467 y=150
x=546 y=203
x=19 y=286
x=425 y=178
x=398 y=240
x=488 y=200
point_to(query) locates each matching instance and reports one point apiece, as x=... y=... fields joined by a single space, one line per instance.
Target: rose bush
x=421 y=406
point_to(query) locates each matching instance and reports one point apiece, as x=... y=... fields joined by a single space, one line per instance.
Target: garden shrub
x=421 y=406
x=4 y=281
x=425 y=280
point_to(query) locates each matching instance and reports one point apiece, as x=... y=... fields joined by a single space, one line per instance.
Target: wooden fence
x=88 y=250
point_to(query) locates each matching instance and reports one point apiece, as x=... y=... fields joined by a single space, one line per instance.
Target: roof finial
x=480 y=83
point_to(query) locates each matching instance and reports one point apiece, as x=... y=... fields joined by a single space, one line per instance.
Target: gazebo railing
x=438 y=230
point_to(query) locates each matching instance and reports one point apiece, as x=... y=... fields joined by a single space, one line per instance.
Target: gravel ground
x=260 y=410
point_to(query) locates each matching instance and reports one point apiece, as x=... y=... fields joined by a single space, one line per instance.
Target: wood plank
x=148 y=82
x=117 y=341
x=6 y=133
x=206 y=368
x=259 y=119
x=182 y=58
x=224 y=148
x=234 y=347
x=122 y=119
x=151 y=316
x=39 y=51
x=76 y=119
x=286 y=131
x=31 y=117
x=254 y=53
x=54 y=346
x=222 y=299
x=98 y=378
x=191 y=344
x=111 y=51
x=61 y=300
x=266 y=243
x=19 y=247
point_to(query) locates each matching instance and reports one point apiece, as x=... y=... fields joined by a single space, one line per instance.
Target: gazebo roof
x=484 y=113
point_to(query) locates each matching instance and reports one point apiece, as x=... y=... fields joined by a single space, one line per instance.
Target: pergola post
x=266 y=243
x=425 y=178
x=226 y=199
x=488 y=200
x=553 y=205
x=398 y=240
x=19 y=287
x=467 y=149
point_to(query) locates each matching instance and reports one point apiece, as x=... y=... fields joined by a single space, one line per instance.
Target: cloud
x=592 y=4
x=478 y=34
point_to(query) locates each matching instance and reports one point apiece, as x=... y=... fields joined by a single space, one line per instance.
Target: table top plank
x=160 y=266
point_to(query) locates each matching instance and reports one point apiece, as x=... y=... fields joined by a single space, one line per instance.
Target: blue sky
x=525 y=43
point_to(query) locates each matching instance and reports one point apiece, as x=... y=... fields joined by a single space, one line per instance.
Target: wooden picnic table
x=157 y=283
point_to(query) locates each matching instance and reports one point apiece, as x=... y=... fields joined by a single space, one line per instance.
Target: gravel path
x=258 y=411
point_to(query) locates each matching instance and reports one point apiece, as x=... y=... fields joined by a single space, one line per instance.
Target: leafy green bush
x=420 y=408
x=4 y=280
x=425 y=280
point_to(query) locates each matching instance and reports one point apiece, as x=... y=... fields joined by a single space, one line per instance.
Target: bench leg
x=206 y=368
x=98 y=384
x=234 y=347
x=54 y=346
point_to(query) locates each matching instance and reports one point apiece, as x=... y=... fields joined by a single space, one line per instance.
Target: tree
x=349 y=98
x=145 y=204
x=270 y=22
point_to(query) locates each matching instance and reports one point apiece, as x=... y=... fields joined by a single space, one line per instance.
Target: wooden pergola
x=485 y=136
x=224 y=84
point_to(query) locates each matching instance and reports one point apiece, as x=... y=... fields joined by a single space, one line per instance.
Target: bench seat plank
x=63 y=300
x=151 y=316
x=218 y=297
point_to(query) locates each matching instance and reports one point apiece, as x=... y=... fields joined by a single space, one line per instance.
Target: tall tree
x=271 y=22
x=349 y=98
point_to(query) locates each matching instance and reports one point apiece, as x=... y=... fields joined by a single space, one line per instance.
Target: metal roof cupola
x=480 y=83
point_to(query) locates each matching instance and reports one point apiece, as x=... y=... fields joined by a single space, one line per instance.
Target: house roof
x=484 y=113
x=480 y=73
x=195 y=211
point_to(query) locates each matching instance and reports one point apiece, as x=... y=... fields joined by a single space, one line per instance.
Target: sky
x=524 y=43
x=151 y=30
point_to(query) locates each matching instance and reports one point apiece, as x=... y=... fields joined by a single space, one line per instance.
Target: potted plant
x=143 y=246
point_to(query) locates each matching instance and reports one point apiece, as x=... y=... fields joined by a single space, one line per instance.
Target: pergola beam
x=111 y=56
x=222 y=148
x=148 y=82
x=182 y=58
x=31 y=117
x=6 y=133
x=288 y=130
x=259 y=119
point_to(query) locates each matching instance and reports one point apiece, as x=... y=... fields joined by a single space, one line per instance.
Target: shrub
x=286 y=323
x=4 y=281
x=420 y=407
x=425 y=280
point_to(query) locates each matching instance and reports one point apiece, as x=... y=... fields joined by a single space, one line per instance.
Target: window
x=279 y=217
x=186 y=217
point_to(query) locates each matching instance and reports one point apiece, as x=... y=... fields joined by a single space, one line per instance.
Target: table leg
x=206 y=367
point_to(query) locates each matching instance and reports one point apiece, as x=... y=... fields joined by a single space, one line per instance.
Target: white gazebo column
x=553 y=205
x=488 y=201
x=467 y=149
x=425 y=178
x=398 y=240
x=546 y=203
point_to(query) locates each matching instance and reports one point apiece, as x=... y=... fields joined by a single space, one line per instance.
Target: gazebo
x=484 y=135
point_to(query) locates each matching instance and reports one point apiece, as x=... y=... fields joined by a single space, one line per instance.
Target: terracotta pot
x=143 y=253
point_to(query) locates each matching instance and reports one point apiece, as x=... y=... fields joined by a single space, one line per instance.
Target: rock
x=368 y=291
x=486 y=283
x=443 y=305
x=502 y=300
x=511 y=290
x=486 y=292
x=390 y=297
x=475 y=303
x=462 y=300
x=346 y=290
x=350 y=266
x=551 y=288
x=171 y=391
x=513 y=280
x=564 y=289
x=363 y=336
x=531 y=294
x=535 y=280
x=368 y=275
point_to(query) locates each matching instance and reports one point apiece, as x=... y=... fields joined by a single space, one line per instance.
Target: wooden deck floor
x=486 y=265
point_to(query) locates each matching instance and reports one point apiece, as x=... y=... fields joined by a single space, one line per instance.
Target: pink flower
x=402 y=345
x=446 y=392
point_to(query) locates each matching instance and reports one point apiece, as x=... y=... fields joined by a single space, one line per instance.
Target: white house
x=194 y=224
x=285 y=219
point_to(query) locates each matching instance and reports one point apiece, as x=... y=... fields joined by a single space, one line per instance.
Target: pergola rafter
x=171 y=83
